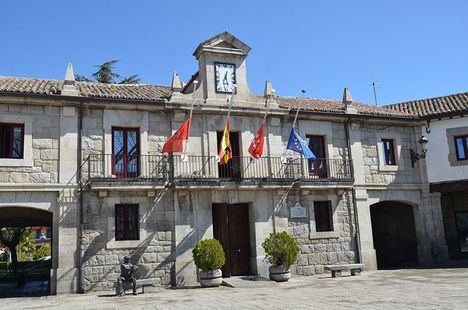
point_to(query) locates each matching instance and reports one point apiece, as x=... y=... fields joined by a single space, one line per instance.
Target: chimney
x=176 y=81
x=69 y=88
x=268 y=92
x=348 y=102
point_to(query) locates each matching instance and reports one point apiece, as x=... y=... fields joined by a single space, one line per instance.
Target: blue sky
x=414 y=49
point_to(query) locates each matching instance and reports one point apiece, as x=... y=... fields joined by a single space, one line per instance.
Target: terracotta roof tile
x=433 y=107
x=86 y=89
x=337 y=106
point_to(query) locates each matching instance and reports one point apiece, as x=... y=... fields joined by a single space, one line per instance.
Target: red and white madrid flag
x=176 y=142
x=256 y=147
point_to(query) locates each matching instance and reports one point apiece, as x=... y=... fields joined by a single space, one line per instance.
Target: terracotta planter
x=211 y=278
x=279 y=273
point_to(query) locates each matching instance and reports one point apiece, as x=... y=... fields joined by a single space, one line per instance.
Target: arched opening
x=394 y=234
x=25 y=251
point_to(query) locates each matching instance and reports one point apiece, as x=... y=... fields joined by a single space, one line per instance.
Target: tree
x=11 y=237
x=107 y=75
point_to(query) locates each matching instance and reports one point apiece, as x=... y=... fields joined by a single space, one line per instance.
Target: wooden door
x=231 y=170
x=231 y=228
x=221 y=233
x=239 y=239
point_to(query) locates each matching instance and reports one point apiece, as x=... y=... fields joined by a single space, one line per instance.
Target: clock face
x=225 y=75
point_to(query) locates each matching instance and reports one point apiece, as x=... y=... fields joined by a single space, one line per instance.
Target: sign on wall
x=297 y=211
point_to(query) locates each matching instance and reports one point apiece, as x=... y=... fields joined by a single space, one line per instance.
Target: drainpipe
x=81 y=212
x=353 y=193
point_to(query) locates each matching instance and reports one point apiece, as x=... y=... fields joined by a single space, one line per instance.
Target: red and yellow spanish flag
x=176 y=142
x=225 y=150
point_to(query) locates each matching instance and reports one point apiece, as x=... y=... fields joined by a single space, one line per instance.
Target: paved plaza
x=396 y=289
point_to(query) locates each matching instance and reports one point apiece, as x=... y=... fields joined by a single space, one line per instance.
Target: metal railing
x=262 y=168
x=125 y=166
x=208 y=167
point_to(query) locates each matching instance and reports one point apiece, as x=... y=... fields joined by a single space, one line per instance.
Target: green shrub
x=280 y=249
x=42 y=251
x=208 y=254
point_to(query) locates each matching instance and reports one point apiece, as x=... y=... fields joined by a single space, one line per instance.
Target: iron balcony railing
x=208 y=168
x=127 y=166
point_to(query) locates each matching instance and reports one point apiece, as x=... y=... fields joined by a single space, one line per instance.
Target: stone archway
x=31 y=277
x=394 y=234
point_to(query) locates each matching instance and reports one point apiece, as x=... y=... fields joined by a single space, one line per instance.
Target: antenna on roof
x=373 y=83
x=302 y=93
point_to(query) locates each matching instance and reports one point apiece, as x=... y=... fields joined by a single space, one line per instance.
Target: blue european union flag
x=298 y=145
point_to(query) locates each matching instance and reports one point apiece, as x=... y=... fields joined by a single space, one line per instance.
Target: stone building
x=85 y=159
x=446 y=127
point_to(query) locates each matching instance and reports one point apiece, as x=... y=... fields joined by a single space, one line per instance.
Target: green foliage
x=82 y=78
x=208 y=254
x=106 y=74
x=27 y=243
x=11 y=237
x=132 y=79
x=280 y=249
x=42 y=251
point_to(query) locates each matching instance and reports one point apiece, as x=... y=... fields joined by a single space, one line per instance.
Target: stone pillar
x=430 y=233
x=66 y=246
x=365 y=231
x=68 y=145
x=362 y=204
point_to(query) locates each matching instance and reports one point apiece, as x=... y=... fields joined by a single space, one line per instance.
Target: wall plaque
x=297 y=211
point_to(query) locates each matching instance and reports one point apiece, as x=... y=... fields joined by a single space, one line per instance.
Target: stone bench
x=139 y=283
x=337 y=269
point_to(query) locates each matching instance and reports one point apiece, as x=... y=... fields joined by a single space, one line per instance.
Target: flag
x=297 y=144
x=176 y=142
x=225 y=151
x=256 y=147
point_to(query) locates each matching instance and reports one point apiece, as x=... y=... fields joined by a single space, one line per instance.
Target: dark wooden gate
x=394 y=235
x=231 y=228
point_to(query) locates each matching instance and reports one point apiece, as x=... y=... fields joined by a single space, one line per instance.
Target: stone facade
x=176 y=197
x=154 y=252
x=316 y=251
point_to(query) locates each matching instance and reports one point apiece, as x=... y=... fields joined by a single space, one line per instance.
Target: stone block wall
x=153 y=253
x=405 y=140
x=45 y=145
x=337 y=247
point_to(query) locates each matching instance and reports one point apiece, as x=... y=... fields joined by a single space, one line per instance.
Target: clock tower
x=222 y=64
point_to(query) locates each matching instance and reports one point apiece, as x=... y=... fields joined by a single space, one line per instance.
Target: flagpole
x=184 y=156
x=283 y=158
x=263 y=122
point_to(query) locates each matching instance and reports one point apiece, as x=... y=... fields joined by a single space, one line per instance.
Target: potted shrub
x=209 y=257
x=281 y=252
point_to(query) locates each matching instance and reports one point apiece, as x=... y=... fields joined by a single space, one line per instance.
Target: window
x=127 y=220
x=389 y=151
x=125 y=150
x=318 y=166
x=11 y=140
x=323 y=216
x=461 y=145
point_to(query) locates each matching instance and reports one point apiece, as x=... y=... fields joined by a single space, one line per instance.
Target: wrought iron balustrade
x=127 y=166
x=197 y=167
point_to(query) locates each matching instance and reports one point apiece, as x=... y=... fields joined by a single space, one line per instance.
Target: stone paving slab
x=396 y=289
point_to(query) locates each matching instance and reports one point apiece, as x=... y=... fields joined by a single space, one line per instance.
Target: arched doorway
x=394 y=234
x=25 y=271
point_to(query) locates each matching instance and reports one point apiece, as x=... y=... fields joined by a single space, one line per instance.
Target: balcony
x=154 y=170
x=282 y=170
x=109 y=170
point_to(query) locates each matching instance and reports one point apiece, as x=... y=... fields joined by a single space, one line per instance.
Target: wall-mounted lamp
x=415 y=156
